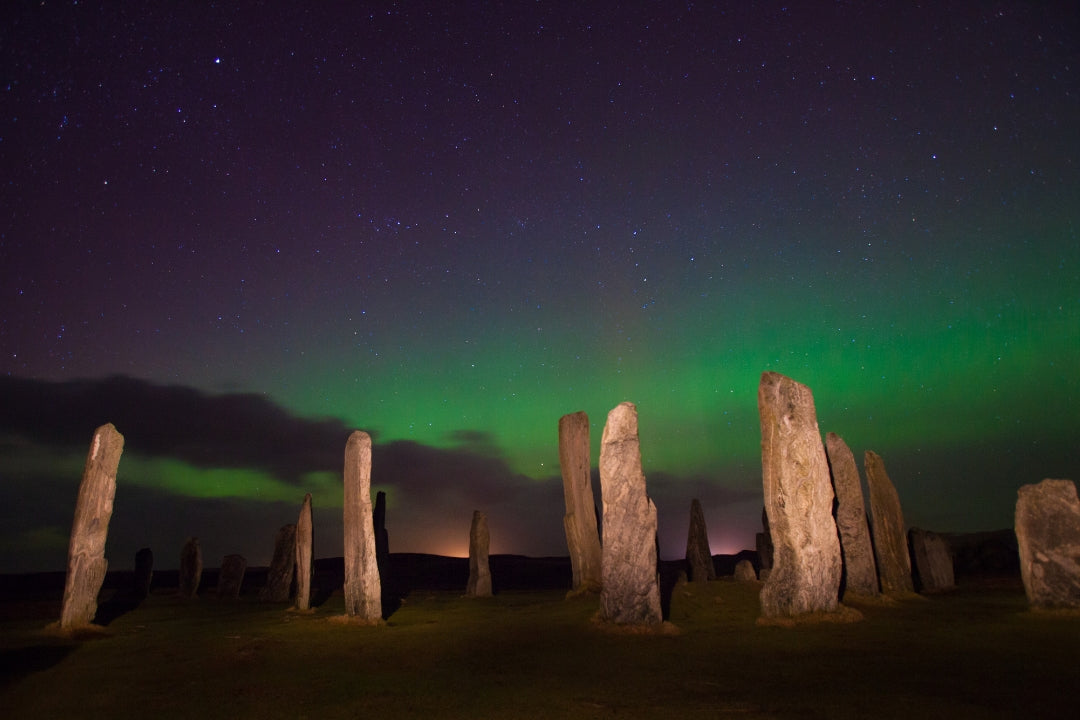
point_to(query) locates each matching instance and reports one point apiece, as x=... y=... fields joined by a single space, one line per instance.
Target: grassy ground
x=974 y=653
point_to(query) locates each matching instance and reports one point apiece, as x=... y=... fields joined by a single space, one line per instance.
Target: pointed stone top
x=621 y=424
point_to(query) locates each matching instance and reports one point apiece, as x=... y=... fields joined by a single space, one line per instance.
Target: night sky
x=240 y=233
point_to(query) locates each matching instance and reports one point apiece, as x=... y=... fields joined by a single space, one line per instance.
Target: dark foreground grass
x=974 y=653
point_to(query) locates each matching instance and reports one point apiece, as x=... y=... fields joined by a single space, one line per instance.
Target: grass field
x=977 y=652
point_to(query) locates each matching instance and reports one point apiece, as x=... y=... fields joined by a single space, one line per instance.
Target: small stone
x=231 y=577
x=933 y=565
x=744 y=571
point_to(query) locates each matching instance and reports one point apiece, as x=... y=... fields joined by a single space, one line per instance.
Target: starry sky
x=239 y=233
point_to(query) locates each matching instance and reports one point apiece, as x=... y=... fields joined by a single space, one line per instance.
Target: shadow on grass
x=17 y=663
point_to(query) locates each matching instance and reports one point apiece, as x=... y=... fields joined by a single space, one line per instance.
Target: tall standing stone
x=86 y=563
x=190 y=568
x=763 y=543
x=305 y=555
x=890 y=535
x=582 y=535
x=231 y=577
x=699 y=563
x=279 y=578
x=363 y=587
x=1048 y=535
x=144 y=573
x=479 y=584
x=630 y=590
x=931 y=560
x=805 y=576
x=382 y=538
x=860 y=572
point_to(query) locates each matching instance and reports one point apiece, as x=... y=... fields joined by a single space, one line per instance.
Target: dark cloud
x=221 y=431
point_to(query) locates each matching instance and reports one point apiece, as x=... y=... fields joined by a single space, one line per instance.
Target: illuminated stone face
x=805 y=575
x=363 y=587
x=1048 y=534
x=890 y=535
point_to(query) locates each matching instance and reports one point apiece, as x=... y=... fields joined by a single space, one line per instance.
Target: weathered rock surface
x=1048 y=534
x=932 y=560
x=890 y=534
x=190 y=568
x=744 y=571
x=699 y=562
x=860 y=571
x=805 y=576
x=582 y=535
x=144 y=573
x=630 y=592
x=279 y=577
x=479 y=584
x=363 y=586
x=86 y=563
x=231 y=577
x=305 y=555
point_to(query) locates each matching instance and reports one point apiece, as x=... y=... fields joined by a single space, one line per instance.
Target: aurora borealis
x=247 y=231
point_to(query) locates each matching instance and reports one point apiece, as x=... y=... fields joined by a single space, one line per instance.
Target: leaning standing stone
x=279 y=577
x=305 y=543
x=890 y=536
x=1048 y=534
x=805 y=577
x=699 y=562
x=479 y=584
x=93 y=509
x=231 y=577
x=932 y=560
x=860 y=572
x=363 y=587
x=190 y=568
x=582 y=535
x=630 y=592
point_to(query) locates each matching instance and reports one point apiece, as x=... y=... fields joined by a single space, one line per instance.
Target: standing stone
x=805 y=576
x=144 y=573
x=860 y=572
x=382 y=538
x=890 y=536
x=630 y=590
x=279 y=578
x=479 y=584
x=93 y=509
x=190 y=568
x=699 y=562
x=744 y=571
x=1048 y=534
x=933 y=565
x=305 y=554
x=363 y=587
x=231 y=577
x=582 y=535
